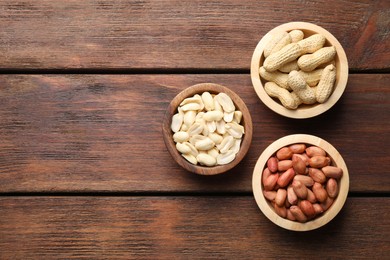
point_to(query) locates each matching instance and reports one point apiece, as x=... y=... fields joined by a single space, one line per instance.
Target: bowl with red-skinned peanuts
x=300 y=182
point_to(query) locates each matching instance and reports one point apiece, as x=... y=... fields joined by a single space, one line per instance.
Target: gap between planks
x=131 y=71
x=163 y=194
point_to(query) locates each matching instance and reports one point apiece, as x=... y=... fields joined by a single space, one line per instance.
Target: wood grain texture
x=98 y=133
x=182 y=227
x=177 y=34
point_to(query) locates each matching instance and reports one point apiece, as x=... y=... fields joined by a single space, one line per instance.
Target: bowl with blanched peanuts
x=207 y=129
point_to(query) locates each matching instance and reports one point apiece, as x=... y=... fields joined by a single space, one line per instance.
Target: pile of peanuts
x=300 y=182
x=298 y=70
x=207 y=129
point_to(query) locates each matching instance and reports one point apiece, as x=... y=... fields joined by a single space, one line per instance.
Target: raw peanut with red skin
x=307 y=208
x=287 y=204
x=291 y=196
x=281 y=211
x=307 y=158
x=314 y=150
x=266 y=174
x=327 y=203
x=280 y=198
x=332 y=188
x=290 y=216
x=305 y=180
x=286 y=177
x=319 y=192
x=332 y=172
x=298 y=164
x=284 y=165
x=299 y=189
x=319 y=161
x=270 y=182
x=269 y=195
x=284 y=153
x=310 y=196
x=272 y=164
x=317 y=175
x=303 y=157
x=298 y=214
x=297 y=148
x=317 y=208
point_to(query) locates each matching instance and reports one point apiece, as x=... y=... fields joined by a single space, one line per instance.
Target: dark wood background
x=84 y=172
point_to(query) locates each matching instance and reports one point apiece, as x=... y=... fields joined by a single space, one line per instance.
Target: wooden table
x=84 y=172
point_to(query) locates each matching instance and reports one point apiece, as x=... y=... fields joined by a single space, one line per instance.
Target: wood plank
x=177 y=34
x=77 y=133
x=182 y=227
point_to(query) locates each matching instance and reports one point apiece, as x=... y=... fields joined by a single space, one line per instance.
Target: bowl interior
x=246 y=121
x=304 y=111
x=266 y=207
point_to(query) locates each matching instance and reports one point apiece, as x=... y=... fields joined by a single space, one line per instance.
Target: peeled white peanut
x=208 y=101
x=211 y=125
x=189 y=117
x=221 y=127
x=196 y=138
x=217 y=106
x=235 y=129
x=226 y=102
x=228 y=117
x=236 y=146
x=190 y=158
x=195 y=129
x=213 y=152
x=217 y=139
x=226 y=144
x=206 y=159
x=225 y=158
x=213 y=115
x=183 y=148
x=237 y=116
x=195 y=99
x=177 y=121
x=205 y=144
x=180 y=137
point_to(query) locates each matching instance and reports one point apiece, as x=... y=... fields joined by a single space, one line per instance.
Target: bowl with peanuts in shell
x=300 y=182
x=299 y=70
x=207 y=129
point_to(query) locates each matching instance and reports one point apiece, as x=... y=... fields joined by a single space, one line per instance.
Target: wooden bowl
x=266 y=207
x=168 y=134
x=303 y=111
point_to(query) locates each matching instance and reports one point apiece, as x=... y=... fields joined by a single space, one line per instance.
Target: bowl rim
x=303 y=112
x=167 y=132
x=264 y=205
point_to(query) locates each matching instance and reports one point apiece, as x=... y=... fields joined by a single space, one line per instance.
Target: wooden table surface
x=84 y=172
